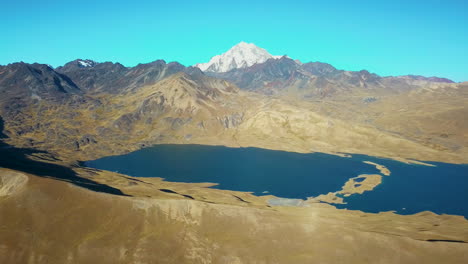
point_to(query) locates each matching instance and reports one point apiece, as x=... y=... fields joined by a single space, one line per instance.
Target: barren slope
x=48 y=221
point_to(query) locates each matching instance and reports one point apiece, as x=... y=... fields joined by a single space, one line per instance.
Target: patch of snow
x=35 y=96
x=86 y=63
x=241 y=55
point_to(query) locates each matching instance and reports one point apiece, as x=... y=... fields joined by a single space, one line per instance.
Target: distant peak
x=243 y=44
x=428 y=79
x=241 y=55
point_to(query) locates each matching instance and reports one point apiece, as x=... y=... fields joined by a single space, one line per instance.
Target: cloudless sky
x=426 y=37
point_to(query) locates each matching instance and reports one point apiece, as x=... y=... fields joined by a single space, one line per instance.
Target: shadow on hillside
x=17 y=159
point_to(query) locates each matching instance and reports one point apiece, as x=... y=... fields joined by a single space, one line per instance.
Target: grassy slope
x=180 y=110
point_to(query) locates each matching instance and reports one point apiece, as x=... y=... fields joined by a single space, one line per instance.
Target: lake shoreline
x=313 y=177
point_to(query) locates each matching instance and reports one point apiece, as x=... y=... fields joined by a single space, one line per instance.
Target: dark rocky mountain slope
x=114 y=77
x=34 y=81
x=316 y=80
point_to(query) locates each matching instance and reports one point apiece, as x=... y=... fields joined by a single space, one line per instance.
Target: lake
x=409 y=189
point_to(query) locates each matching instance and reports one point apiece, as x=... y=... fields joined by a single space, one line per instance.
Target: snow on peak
x=86 y=63
x=241 y=55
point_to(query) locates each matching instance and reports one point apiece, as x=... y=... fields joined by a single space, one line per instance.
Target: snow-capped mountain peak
x=241 y=55
x=86 y=63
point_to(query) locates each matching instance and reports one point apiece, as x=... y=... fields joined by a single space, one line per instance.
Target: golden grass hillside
x=184 y=110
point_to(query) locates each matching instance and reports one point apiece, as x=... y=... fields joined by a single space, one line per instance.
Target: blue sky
x=386 y=37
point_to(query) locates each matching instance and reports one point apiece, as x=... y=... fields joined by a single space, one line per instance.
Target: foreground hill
x=50 y=221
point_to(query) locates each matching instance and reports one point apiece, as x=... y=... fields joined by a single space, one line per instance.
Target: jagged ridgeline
x=86 y=109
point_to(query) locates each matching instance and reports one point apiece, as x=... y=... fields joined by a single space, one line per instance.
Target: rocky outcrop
x=11 y=182
x=232 y=121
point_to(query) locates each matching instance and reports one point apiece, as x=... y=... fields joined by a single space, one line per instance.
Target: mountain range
x=86 y=109
x=245 y=55
x=281 y=75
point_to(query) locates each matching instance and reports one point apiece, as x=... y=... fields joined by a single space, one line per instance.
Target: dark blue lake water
x=409 y=189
